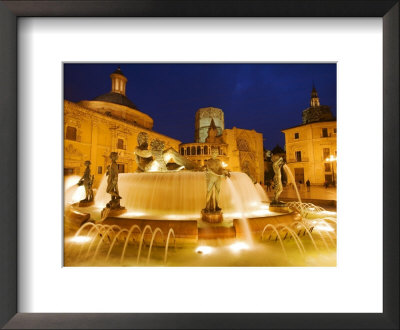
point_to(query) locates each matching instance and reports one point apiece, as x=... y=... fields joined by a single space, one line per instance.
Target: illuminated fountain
x=164 y=209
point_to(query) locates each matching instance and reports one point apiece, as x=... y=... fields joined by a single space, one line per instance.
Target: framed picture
x=35 y=173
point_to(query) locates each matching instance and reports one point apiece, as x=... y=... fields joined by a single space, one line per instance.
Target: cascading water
x=262 y=193
x=240 y=210
x=291 y=180
x=180 y=195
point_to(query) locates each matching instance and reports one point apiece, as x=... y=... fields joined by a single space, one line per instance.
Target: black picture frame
x=9 y=13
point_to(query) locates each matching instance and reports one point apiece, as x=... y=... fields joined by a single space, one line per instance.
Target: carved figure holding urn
x=214 y=174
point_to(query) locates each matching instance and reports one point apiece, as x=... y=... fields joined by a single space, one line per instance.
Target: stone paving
x=315 y=193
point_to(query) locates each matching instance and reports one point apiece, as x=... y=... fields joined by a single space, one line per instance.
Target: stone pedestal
x=84 y=203
x=279 y=207
x=211 y=217
x=109 y=213
x=112 y=209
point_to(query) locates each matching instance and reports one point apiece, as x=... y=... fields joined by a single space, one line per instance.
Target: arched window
x=193 y=150
x=205 y=150
x=198 y=150
x=187 y=150
x=182 y=151
x=70 y=133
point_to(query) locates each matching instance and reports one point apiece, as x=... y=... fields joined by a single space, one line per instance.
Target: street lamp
x=332 y=159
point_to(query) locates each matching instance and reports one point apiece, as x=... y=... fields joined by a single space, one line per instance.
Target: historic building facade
x=110 y=122
x=241 y=150
x=308 y=146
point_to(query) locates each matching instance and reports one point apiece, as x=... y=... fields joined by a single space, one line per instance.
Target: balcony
x=302 y=160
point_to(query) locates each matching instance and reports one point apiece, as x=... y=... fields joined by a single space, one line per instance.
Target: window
x=326 y=152
x=121 y=168
x=193 y=151
x=198 y=150
x=327 y=167
x=99 y=170
x=182 y=151
x=298 y=156
x=334 y=130
x=120 y=144
x=188 y=151
x=324 y=132
x=296 y=135
x=205 y=150
x=71 y=133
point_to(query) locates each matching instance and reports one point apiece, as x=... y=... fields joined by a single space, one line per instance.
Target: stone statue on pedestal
x=214 y=174
x=87 y=181
x=276 y=205
x=277 y=163
x=113 y=207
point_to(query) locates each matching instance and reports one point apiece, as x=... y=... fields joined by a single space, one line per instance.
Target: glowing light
x=204 y=249
x=324 y=228
x=167 y=158
x=224 y=164
x=331 y=158
x=134 y=214
x=260 y=213
x=78 y=195
x=154 y=167
x=239 y=246
x=80 y=239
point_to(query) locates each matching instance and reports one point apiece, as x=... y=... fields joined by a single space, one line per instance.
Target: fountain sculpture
x=87 y=181
x=156 y=159
x=170 y=198
x=276 y=205
x=113 y=207
x=214 y=174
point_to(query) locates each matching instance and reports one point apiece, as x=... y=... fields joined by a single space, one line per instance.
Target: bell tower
x=118 y=82
x=314 y=98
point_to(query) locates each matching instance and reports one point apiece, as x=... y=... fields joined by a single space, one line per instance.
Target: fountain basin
x=182 y=195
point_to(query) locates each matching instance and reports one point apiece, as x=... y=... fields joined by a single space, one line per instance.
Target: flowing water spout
x=292 y=180
x=240 y=211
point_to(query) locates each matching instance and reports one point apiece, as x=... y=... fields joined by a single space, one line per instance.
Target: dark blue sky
x=264 y=97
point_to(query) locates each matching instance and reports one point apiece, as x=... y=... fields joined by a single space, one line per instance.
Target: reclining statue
x=156 y=159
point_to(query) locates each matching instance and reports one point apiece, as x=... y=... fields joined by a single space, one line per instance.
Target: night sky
x=263 y=97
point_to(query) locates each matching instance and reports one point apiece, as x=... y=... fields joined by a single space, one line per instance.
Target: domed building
x=109 y=122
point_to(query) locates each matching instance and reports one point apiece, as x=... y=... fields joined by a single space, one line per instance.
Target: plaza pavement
x=318 y=195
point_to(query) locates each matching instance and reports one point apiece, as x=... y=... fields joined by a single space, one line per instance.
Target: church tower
x=118 y=82
x=314 y=98
x=316 y=112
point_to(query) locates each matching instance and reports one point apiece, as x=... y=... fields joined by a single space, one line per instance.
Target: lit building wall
x=307 y=147
x=91 y=135
x=241 y=150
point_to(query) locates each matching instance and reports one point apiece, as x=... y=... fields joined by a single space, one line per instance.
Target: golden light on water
x=80 y=239
x=238 y=246
x=204 y=249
